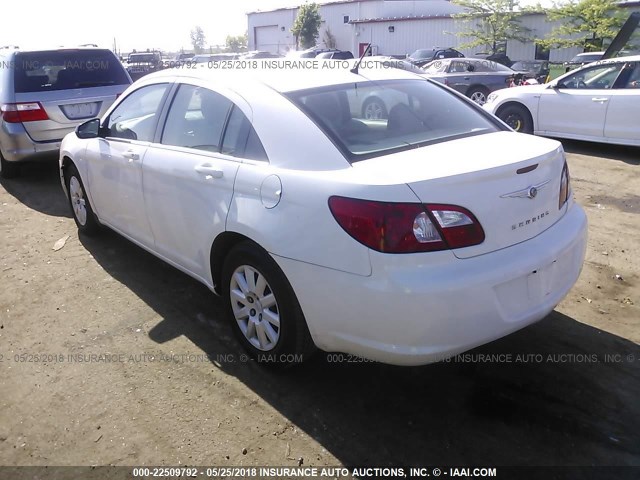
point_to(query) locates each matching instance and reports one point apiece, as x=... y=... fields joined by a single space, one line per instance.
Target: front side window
x=196 y=119
x=597 y=77
x=136 y=116
x=418 y=112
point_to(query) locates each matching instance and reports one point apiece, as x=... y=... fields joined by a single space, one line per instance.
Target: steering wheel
x=581 y=84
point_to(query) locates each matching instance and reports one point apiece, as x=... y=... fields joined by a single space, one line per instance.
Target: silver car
x=45 y=94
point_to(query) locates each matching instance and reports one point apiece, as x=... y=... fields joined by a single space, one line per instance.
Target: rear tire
x=478 y=95
x=263 y=310
x=80 y=206
x=517 y=117
x=8 y=169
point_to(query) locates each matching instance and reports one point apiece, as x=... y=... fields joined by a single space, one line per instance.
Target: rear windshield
x=422 y=54
x=371 y=119
x=64 y=70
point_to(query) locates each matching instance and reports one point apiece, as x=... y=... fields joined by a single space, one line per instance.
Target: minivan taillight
x=406 y=227
x=23 y=112
x=565 y=186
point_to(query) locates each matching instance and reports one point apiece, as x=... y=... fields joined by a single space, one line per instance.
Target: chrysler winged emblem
x=530 y=192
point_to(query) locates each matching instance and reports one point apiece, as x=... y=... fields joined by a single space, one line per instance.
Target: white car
x=598 y=102
x=404 y=240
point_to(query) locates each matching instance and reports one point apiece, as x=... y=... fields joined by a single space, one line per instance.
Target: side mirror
x=88 y=129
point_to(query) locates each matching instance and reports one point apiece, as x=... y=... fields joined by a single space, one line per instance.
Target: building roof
x=322 y=4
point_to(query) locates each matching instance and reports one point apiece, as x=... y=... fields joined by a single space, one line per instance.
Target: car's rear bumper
x=16 y=144
x=417 y=309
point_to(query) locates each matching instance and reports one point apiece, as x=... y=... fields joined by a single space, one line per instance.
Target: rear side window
x=240 y=139
x=196 y=119
x=409 y=114
x=203 y=119
x=67 y=69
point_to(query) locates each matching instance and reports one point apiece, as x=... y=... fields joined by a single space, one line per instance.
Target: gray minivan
x=45 y=94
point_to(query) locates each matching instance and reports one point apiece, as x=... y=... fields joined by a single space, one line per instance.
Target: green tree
x=307 y=25
x=583 y=23
x=237 y=43
x=491 y=23
x=198 y=39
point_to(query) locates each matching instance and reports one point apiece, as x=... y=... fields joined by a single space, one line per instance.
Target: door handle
x=209 y=170
x=599 y=99
x=131 y=155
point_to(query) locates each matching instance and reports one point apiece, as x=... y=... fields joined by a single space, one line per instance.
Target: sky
x=139 y=24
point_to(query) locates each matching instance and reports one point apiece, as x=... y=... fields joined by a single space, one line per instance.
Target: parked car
x=538 y=69
x=143 y=63
x=310 y=52
x=336 y=55
x=499 y=57
x=582 y=59
x=183 y=57
x=45 y=94
x=258 y=54
x=476 y=78
x=214 y=57
x=598 y=102
x=424 y=55
x=368 y=243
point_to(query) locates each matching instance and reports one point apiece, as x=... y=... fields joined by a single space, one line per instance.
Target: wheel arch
x=478 y=86
x=220 y=248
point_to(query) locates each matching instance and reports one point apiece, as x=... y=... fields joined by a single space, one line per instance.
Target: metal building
x=393 y=27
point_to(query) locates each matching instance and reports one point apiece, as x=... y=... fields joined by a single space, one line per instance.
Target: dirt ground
x=109 y=356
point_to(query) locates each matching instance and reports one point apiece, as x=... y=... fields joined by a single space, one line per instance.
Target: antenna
x=364 y=54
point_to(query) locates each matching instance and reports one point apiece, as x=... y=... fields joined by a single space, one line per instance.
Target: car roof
x=291 y=76
x=50 y=49
x=629 y=58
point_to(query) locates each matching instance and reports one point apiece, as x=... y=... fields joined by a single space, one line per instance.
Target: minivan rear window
x=370 y=119
x=67 y=69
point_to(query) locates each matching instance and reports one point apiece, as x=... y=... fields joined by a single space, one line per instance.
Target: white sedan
x=599 y=102
x=403 y=240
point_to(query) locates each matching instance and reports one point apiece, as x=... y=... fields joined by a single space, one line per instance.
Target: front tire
x=517 y=117
x=80 y=206
x=263 y=310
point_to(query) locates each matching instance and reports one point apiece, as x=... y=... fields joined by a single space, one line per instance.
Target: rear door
x=114 y=163
x=189 y=175
x=70 y=85
x=578 y=107
x=621 y=123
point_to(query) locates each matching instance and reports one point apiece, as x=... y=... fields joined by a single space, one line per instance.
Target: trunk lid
x=67 y=108
x=509 y=181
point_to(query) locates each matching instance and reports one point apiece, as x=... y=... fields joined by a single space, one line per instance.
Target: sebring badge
x=530 y=192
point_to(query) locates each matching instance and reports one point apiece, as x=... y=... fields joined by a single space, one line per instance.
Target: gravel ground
x=109 y=356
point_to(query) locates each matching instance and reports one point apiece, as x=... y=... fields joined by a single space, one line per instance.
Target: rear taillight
x=23 y=112
x=406 y=227
x=565 y=186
